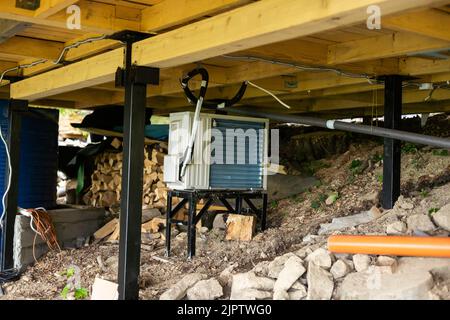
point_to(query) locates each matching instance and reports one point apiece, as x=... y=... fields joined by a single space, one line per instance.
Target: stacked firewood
x=106 y=185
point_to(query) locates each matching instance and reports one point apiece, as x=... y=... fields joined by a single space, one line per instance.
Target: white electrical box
x=229 y=153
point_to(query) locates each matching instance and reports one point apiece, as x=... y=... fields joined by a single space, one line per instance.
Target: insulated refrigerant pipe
x=344 y=126
x=391 y=245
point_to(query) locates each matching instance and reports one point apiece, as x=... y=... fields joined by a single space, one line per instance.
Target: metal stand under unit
x=192 y=197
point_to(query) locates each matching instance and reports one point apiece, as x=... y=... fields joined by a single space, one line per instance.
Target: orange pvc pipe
x=391 y=245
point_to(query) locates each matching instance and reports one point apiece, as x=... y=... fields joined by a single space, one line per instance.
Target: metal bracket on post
x=16 y=108
x=135 y=80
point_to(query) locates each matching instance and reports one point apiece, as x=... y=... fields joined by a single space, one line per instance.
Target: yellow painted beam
x=419 y=66
x=86 y=73
x=390 y=45
x=255 y=25
x=431 y=23
x=96 y=17
x=29 y=47
x=169 y=13
x=50 y=7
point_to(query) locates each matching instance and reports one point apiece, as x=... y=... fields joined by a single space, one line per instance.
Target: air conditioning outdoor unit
x=229 y=153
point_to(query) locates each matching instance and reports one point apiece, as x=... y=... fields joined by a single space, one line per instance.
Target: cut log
x=116 y=143
x=115 y=235
x=154 y=225
x=240 y=227
x=106 y=230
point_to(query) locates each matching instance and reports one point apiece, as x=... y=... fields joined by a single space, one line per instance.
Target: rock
x=375 y=212
x=339 y=269
x=412 y=281
x=320 y=283
x=112 y=263
x=442 y=217
x=361 y=262
x=321 y=258
x=275 y=267
x=420 y=222
x=385 y=261
x=396 y=228
x=262 y=268
x=406 y=205
x=311 y=238
x=205 y=290
x=293 y=269
x=303 y=252
x=247 y=286
x=220 y=221
x=178 y=291
x=203 y=230
x=297 y=293
x=226 y=276
x=346 y=222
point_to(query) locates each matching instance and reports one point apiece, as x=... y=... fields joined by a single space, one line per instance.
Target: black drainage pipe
x=344 y=126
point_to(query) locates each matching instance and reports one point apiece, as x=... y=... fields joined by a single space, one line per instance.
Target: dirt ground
x=356 y=177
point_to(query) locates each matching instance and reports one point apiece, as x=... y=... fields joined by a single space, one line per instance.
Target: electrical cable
x=55 y=62
x=42 y=225
x=269 y=93
x=370 y=79
x=8 y=185
x=8 y=275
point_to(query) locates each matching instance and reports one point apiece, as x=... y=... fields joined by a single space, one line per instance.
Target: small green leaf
x=81 y=293
x=64 y=292
x=70 y=272
x=433 y=211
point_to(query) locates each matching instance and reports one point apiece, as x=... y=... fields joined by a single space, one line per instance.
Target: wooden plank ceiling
x=414 y=40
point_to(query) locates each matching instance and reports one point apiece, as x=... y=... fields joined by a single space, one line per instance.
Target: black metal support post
x=392 y=147
x=135 y=80
x=16 y=108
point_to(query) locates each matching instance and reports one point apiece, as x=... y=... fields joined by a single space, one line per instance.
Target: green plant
x=433 y=211
x=441 y=153
x=377 y=158
x=65 y=291
x=322 y=197
x=424 y=193
x=409 y=148
x=73 y=283
x=315 y=204
x=81 y=293
x=356 y=167
x=274 y=204
x=380 y=178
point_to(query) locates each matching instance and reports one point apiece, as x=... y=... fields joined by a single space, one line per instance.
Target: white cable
x=55 y=62
x=8 y=186
x=303 y=67
x=269 y=93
